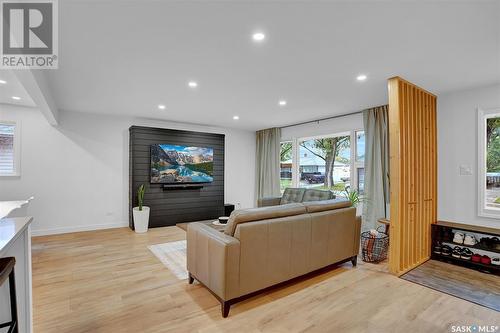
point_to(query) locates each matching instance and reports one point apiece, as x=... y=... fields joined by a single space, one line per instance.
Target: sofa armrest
x=357 y=234
x=213 y=258
x=271 y=201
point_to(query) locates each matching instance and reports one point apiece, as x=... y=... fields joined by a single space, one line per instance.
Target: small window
x=9 y=149
x=361 y=180
x=360 y=146
x=489 y=163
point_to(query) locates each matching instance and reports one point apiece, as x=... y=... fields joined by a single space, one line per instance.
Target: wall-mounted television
x=173 y=164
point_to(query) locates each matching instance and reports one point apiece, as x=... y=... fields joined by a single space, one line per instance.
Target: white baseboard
x=65 y=230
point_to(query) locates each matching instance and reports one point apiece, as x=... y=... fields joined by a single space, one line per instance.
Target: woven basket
x=374 y=248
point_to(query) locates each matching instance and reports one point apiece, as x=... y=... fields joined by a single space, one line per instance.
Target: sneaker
x=456 y=252
x=490 y=243
x=437 y=249
x=458 y=238
x=446 y=250
x=466 y=254
x=485 y=260
x=476 y=257
x=485 y=242
x=495 y=261
x=495 y=243
x=470 y=240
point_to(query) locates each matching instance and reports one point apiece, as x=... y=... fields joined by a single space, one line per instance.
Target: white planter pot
x=141 y=219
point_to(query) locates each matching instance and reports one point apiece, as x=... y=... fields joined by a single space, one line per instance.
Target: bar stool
x=7 y=270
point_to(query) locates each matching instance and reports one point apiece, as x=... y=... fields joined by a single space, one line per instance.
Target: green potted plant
x=141 y=213
x=353 y=197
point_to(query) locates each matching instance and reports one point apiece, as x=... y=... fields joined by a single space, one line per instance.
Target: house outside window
x=9 y=149
x=489 y=163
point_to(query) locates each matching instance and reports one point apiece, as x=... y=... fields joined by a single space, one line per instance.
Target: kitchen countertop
x=6 y=207
x=10 y=229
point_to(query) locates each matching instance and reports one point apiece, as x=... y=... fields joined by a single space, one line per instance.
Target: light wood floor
x=108 y=281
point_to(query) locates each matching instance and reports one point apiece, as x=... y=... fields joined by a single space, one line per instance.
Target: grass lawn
x=284 y=183
x=337 y=187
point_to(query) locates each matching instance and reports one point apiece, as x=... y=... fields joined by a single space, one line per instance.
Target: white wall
x=325 y=127
x=457 y=145
x=78 y=171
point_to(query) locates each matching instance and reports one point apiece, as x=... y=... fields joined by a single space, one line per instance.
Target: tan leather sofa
x=293 y=194
x=262 y=247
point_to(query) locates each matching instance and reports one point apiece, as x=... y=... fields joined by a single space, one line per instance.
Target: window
x=359 y=165
x=286 y=153
x=9 y=149
x=489 y=163
x=360 y=146
x=325 y=162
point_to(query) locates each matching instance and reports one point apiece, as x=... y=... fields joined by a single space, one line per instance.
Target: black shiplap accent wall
x=179 y=205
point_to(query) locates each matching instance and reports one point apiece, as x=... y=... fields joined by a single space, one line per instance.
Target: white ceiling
x=126 y=57
x=13 y=87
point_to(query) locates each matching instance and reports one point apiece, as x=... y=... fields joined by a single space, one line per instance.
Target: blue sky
x=189 y=150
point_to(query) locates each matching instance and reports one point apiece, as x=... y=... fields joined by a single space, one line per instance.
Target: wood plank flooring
x=108 y=281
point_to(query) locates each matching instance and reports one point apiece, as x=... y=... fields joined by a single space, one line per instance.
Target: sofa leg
x=191 y=279
x=354 y=261
x=225 y=306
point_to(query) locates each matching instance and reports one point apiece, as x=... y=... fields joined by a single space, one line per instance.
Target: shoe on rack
x=470 y=240
x=495 y=261
x=495 y=243
x=466 y=254
x=458 y=238
x=437 y=249
x=476 y=257
x=485 y=260
x=446 y=250
x=457 y=251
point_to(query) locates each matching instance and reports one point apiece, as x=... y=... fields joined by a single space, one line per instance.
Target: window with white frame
x=334 y=162
x=489 y=163
x=325 y=162
x=9 y=149
x=359 y=164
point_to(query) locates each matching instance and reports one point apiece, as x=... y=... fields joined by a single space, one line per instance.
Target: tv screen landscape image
x=172 y=164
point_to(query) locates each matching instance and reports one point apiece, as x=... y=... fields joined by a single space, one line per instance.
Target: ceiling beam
x=37 y=87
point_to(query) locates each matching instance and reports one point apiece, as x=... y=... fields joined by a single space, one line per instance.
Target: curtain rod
x=332 y=117
x=322 y=119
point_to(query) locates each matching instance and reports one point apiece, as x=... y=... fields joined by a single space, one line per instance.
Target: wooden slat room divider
x=413 y=174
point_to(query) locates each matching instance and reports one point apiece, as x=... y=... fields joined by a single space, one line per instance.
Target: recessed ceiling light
x=282 y=102
x=16 y=98
x=258 y=36
x=361 y=77
x=236 y=117
x=3 y=82
x=161 y=107
x=193 y=84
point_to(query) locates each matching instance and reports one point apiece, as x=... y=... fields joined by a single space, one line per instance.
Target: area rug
x=468 y=284
x=173 y=256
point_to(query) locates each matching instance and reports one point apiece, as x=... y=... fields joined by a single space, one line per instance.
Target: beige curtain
x=376 y=165
x=267 y=163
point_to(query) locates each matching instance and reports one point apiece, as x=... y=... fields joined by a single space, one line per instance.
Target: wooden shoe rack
x=442 y=233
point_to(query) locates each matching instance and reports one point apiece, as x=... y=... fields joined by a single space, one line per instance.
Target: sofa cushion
x=262 y=213
x=317 y=195
x=320 y=206
x=292 y=195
